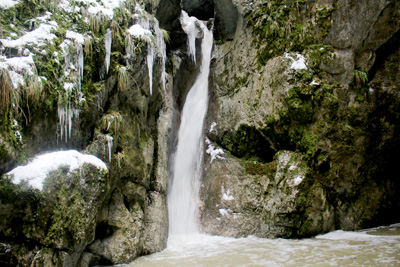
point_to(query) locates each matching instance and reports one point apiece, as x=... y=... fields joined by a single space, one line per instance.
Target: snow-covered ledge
x=36 y=171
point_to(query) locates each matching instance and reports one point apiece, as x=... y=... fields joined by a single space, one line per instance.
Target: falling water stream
x=183 y=192
x=187 y=247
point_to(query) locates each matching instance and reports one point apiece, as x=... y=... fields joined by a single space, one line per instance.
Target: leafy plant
x=111 y=121
x=123 y=78
x=360 y=78
x=166 y=36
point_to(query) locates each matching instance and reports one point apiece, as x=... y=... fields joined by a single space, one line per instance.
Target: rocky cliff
x=302 y=128
x=89 y=76
x=300 y=110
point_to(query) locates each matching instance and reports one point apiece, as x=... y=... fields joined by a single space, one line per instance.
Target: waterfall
x=183 y=197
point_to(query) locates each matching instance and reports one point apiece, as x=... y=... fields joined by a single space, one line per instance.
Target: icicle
x=162 y=52
x=142 y=18
x=61 y=116
x=80 y=61
x=110 y=144
x=189 y=26
x=108 y=42
x=150 y=61
x=65 y=116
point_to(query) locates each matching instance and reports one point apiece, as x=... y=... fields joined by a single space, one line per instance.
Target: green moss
x=278 y=27
x=256 y=166
x=247 y=142
x=323 y=19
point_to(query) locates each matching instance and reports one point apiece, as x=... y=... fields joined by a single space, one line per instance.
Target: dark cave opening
x=201 y=9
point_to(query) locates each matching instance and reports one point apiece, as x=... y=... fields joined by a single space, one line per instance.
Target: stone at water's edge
x=251 y=198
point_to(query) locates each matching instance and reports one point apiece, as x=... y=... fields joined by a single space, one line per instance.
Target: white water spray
x=183 y=196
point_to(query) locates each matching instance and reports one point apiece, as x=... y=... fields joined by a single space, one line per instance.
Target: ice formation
x=109 y=144
x=155 y=42
x=66 y=113
x=189 y=26
x=150 y=63
x=108 y=42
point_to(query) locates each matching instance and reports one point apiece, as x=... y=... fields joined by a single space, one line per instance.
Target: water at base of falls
x=372 y=247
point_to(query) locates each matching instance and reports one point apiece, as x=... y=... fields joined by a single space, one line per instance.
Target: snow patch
x=299 y=64
x=225 y=212
x=292 y=168
x=18 y=67
x=76 y=37
x=214 y=152
x=227 y=196
x=138 y=31
x=38 y=37
x=212 y=127
x=314 y=83
x=8 y=3
x=297 y=180
x=36 y=171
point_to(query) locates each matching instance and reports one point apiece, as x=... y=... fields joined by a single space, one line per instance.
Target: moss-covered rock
x=61 y=217
x=329 y=111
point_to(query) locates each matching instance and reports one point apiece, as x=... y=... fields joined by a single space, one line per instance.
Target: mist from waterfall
x=183 y=196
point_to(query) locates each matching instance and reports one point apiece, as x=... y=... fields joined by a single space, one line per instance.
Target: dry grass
x=87 y=46
x=6 y=90
x=112 y=122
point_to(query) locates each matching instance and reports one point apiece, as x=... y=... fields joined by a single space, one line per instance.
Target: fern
x=360 y=78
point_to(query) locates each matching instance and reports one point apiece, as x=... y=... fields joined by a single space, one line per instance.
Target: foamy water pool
x=371 y=247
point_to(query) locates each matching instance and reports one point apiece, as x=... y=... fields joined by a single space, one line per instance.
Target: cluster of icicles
x=141 y=31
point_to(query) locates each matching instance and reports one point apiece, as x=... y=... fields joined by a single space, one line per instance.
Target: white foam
x=36 y=171
x=204 y=250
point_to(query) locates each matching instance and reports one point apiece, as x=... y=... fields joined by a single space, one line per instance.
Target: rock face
x=262 y=199
x=303 y=121
x=61 y=217
x=125 y=106
x=304 y=81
